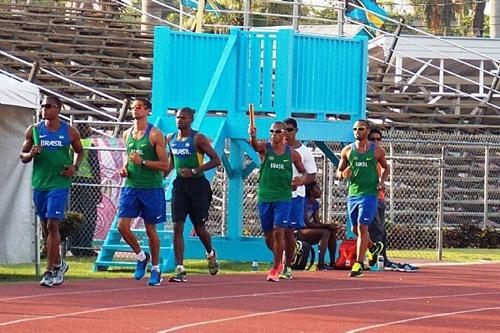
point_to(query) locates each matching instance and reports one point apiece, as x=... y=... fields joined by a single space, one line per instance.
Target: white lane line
x=124 y=289
x=130 y=306
x=437 y=315
x=259 y=314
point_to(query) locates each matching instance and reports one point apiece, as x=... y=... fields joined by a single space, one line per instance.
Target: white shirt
x=309 y=164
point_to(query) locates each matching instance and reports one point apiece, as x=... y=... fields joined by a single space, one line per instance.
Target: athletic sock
x=141 y=256
x=155 y=268
x=211 y=254
x=180 y=268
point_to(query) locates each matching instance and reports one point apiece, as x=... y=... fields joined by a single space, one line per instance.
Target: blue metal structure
x=320 y=81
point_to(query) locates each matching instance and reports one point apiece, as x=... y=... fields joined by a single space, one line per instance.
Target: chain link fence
x=437 y=181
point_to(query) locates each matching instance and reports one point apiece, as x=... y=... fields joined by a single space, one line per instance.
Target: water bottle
x=255 y=266
x=380 y=263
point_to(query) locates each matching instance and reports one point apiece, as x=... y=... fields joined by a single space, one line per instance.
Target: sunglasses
x=375 y=139
x=45 y=106
x=358 y=128
x=276 y=131
x=289 y=129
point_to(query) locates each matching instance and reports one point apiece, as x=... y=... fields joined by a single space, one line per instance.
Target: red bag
x=347 y=254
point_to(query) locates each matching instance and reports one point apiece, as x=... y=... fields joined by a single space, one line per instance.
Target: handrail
x=148 y=14
x=496 y=61
x=436 y=67
x=435 y=82
x=52 y=92
x=67 y=80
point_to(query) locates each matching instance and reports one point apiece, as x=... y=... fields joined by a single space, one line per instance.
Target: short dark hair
x=188 y=110
x=310 y=187
x=290 y=121
x=54 y=99
x=364 y=121
x=145 y=101
x=281 y=123
x=375 y=130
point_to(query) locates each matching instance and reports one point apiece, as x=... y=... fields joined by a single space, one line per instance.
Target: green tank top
x=275 y=178
x=140 y=176
x=184 y=153
x=53 y=158
x=364 y=179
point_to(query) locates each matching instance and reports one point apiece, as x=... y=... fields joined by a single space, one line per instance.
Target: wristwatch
x=143 y=162
x=194 y=171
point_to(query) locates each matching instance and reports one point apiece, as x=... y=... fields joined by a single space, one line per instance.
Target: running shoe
x=179 y=276
x=273 y=276
x=357 y=270
x=155 y=278
x=407 y=268
x=213 y=265
x=286 y=274
x=324 y=268
x=59 y=273
x=373 y=253
x=47 y=279
x=391 y=266
x=140 y=268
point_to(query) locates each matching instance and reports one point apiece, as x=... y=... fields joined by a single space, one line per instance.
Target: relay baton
x=36 y=136
x=251 y=114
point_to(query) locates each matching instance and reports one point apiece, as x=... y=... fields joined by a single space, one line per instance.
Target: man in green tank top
x=143 y=194
x=48 y=144
x=358 y=164
x=275 y=189
x=191 y=192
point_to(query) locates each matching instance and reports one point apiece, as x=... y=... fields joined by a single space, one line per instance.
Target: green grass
x=81 y=268
x=452 y=255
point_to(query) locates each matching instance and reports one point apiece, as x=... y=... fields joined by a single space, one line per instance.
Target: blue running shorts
x=362 y=209
x=274 y=214
x=51 y=204
x=297 y=213
x=148 y=203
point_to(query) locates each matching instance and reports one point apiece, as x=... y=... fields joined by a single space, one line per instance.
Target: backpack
x=347 y=254
x=303 y=251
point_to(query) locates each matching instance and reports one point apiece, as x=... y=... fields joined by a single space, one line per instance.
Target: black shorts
x=191 y=196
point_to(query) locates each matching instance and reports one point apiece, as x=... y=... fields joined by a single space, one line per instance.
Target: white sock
x=180 y=268
x=211 y=254
x=141 y=256
x=155 y=268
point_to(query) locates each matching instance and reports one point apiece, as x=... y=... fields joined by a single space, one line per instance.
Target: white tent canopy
x=17 y=231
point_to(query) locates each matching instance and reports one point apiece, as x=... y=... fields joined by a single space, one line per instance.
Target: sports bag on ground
x=303 y=252
x=347 y=254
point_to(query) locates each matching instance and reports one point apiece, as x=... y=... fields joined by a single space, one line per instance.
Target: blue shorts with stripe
x=297 y=213
x=362 y=209
x=148 y=203
x=274 y=214
x=50 y=204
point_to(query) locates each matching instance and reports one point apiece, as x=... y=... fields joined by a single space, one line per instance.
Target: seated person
x=314 y=231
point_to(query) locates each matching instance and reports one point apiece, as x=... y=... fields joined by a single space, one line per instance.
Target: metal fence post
x=391 y=182
x=296 y=16
x=486 y=185
x=247 y=8
x=326 y=190
x=441 y=204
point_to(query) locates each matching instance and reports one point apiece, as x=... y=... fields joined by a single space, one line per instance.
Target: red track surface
x=435 y=299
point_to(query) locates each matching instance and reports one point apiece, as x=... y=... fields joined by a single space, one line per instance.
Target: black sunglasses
x=289 y=129
x=276 y=131
x=375 y=139
x=361 y=128
x=44 y=106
